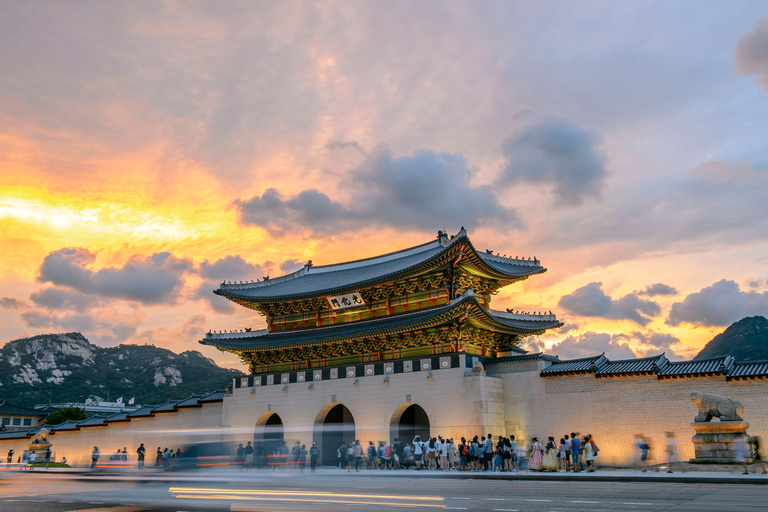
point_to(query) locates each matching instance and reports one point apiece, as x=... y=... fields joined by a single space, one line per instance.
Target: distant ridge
x=745 y=340
x=68 y=368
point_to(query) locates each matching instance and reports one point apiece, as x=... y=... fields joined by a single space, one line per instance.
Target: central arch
x=268 y=436
x=409 y=421
x=334 y=425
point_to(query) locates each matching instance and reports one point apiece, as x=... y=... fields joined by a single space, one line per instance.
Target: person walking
x=549 y=461
x=32 y=459
x=488 y=453
x=563 y=455
x=514 y=454
x=9 y=460
x=589 y=455
x=350 y=456
x=302 y=457
x=358 y=453
x=47 y=457
x=159 y=457
x=418 y=452
x=95 y=456
x=371 y=455
x=575 y=452
x=314 y=454
x=141 y=452
x=248 y=452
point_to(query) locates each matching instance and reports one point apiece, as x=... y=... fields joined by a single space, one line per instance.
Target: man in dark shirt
x=141 y=451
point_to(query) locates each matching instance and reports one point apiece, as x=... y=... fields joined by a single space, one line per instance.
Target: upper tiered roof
x=319 y=281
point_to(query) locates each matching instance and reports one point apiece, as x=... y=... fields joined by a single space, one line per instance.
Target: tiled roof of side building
x=169 y=406
x=525 y=357
x=216 y=396
x=583 y=365
x=649 y=364
x=286 y=339
x=93 y=421
x=14 y=434
x=118 y=417
x=748 y=370
x=14 y=410
x=715 y=365
x=67 y=425
x=346 y=277
x=192 y=401
x=144 y=412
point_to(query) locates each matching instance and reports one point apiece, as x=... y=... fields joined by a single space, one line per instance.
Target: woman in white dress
x=589 y=455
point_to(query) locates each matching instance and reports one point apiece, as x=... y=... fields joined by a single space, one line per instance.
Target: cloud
x=104 y=326
x=751 y=53
x=177 y=338
x=230 y=268
x=11 y=303
x=718 y=305
x=651 y=343
x=666 y=212
x=591 y=344
x=567 y=327
x=425 y=191
x=153 y=280
x=557 y=153
x=719 y=170
x=57 y=298
x=591 y=301
x=658 y=289
x=289 y=266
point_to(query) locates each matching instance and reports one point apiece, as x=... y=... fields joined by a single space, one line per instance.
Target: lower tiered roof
x=465 y=308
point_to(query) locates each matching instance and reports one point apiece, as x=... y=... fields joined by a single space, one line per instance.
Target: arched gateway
x=269 y=432
x=334 y=425
x=409 y=421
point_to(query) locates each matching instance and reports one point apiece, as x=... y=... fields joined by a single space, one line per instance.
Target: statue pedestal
x=713 y=442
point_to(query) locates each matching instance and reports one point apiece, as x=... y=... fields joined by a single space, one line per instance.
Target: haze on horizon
x=151 y=150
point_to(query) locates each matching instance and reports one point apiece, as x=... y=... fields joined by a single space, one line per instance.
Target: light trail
x=257 y=492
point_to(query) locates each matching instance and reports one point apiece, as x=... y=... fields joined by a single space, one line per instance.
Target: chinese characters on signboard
x=350 y=300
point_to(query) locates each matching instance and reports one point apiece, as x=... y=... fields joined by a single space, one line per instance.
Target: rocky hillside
x=745 y=340
x=68 y=368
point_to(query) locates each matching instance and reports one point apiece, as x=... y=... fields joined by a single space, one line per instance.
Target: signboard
x=350 y=300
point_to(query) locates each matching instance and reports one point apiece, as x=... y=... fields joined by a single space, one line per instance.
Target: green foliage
x=65 y=414
x=745 y=340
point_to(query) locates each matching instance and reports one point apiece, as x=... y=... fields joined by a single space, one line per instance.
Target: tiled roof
x=395 y=323
x=216 y=396
x=643 y=365
x=117 y=417
x=67 y=425
x=720 y=365
x=351 y=276
x=748 y=369
x=14 y=434
x=93 y=421
x=192 y=401
x=541 y=356
x=583 y=365
x=169 y=406
x=7 y=409
x=144 y=412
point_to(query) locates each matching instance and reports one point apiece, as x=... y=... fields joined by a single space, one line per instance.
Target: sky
x=151 y=150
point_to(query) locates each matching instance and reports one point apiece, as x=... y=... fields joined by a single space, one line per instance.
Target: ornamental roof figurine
x=428 y=299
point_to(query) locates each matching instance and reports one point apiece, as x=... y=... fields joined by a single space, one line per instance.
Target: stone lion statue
x=714 y=406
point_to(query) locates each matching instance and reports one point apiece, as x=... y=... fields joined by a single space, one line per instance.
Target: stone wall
x=615 y=409
x=167 y=430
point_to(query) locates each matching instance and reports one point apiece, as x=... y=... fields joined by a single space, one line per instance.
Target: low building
x=13 y=417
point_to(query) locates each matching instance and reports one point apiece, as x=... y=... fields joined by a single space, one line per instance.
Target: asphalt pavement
x=334 y=490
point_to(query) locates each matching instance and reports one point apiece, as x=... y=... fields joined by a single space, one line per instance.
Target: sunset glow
x=630 y=159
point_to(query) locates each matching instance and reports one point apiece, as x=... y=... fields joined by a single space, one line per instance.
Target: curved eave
x=466 y=308
x=490 y=269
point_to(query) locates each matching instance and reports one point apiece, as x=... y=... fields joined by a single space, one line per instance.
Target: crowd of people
x=483 y=453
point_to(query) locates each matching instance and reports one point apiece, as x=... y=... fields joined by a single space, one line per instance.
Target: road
x=369 y=491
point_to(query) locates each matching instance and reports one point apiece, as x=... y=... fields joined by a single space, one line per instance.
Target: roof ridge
x=581 y=358
x=635 y=359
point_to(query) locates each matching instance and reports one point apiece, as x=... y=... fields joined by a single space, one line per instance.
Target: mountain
x=745 y=340
x=68 y=368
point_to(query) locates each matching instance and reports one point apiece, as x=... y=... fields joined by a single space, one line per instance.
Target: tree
x=65 y=414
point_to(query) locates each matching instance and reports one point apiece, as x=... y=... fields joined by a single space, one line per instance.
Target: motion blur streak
x=289 y=499
x=257 y=492
x=124 y=508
